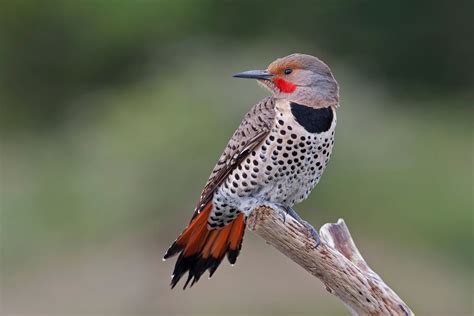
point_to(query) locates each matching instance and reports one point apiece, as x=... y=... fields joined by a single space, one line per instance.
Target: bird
x=275 y=158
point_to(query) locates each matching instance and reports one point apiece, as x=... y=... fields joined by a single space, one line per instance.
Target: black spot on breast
x=313 y=120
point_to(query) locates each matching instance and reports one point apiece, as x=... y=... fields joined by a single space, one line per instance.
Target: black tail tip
x=232 y=256
x=195 y=266
x=172 y=250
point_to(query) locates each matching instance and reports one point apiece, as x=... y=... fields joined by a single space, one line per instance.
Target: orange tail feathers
x=202 y=249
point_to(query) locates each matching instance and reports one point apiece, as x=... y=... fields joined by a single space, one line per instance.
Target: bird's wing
x=255 y=126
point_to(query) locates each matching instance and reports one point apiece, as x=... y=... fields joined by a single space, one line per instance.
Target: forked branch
x=336 y=262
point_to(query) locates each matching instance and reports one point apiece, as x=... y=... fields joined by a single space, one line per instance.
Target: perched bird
x=275 y=158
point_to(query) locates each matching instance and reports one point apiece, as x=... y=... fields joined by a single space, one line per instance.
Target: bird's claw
x=282 y=213
x=284 y=210
x=313 y=232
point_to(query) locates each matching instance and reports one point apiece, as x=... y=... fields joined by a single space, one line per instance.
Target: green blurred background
x=113 y=113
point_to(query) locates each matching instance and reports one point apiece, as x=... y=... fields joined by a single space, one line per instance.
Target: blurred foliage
x=108 y=120
x=398 y=174
x=53 y=51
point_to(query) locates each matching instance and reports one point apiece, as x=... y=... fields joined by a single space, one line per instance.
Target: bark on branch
x=336 y=262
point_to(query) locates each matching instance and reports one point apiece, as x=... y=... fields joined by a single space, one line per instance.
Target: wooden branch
x=336 y=262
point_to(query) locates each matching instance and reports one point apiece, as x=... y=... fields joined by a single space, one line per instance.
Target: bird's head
x=299 y=78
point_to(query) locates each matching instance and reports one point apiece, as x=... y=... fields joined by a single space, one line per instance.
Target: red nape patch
x=284 y=86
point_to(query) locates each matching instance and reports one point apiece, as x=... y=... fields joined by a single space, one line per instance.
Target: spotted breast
x=283 y=168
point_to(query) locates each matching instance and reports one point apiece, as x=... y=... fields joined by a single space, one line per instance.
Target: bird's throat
x=284 y=86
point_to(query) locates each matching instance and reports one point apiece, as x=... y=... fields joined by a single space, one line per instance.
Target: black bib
x=313 y=120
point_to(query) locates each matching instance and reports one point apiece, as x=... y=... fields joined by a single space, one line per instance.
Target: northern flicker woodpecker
x=275 y=158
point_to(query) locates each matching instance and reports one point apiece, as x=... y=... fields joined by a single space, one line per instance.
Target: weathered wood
x=336 y=262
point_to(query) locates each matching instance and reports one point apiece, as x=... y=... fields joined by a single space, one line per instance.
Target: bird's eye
x=288 y=71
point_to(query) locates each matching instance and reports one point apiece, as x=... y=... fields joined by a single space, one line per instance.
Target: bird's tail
x=202 y=249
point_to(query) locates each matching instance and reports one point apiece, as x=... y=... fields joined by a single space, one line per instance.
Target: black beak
x=254 y=74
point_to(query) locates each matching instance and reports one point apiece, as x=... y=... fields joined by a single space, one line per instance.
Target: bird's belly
x=297 y=165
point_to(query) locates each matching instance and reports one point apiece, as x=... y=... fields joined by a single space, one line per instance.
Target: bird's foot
x=312 y=231
x=283 y=210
